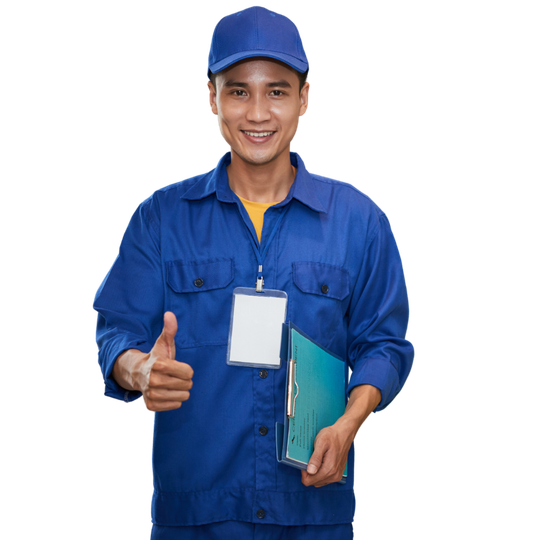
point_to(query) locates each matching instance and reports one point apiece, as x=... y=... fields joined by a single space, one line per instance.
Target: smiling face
x=258 y=103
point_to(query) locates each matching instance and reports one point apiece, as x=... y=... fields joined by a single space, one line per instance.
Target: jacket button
x=260 y=514
x=263 y=430
x=263 y=374
x=198 y=282
x=324 y=289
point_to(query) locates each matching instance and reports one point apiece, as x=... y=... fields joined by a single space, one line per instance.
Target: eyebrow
x=237 y=84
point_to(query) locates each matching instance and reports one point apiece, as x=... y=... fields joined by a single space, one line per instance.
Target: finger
x=309 y=479
x=314 y=479
x=172 y=368
x=162 y=405
x=315 y=461
x=322 y=478
x=163 y=395
x=162 y=382
x=164 y=400
x=165 y=342
x=179 y=380
x=328 y=473
x=317 y=480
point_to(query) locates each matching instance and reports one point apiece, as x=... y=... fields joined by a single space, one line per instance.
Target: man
x=165 y=307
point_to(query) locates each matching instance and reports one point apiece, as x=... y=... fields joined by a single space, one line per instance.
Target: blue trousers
x=240 y=530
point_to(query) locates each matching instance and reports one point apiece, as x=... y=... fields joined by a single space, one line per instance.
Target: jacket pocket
x=185 y=277
x=200 y=295
x=318 y=299
x=321 y=279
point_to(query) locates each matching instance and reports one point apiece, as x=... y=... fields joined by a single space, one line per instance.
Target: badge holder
x=255 y=333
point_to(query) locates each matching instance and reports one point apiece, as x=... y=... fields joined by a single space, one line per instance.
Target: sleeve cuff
x=379 y=373
x=112 y=388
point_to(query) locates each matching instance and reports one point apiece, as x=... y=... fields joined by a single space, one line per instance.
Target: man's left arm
x=332 y=444
x=377 y=352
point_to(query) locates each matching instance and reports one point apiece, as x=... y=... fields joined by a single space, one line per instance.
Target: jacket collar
x=304 y=188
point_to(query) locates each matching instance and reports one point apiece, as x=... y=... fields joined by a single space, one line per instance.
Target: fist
x=165 y=383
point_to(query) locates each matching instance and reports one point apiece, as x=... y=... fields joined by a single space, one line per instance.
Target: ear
x=304 y=99
x=213 y=97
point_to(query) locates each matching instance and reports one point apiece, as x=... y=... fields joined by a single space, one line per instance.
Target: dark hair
x=301 y=77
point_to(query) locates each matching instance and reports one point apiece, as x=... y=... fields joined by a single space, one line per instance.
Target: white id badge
x=256 y=325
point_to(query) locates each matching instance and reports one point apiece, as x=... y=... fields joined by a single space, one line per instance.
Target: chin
x=254 y=159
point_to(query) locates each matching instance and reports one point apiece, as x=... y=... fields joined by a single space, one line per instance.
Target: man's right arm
x=163 y=381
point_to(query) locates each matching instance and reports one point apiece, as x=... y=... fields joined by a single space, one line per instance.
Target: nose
x=258 y=110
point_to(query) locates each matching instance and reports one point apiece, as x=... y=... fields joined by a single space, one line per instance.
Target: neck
x=265 y=183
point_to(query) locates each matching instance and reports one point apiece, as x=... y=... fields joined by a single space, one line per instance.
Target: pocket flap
x=184 y=277
x=322 y=279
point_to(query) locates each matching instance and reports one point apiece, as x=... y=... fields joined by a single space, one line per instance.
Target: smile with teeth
x=258 y=133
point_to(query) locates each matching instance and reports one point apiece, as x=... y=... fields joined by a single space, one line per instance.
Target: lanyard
x=261 y=257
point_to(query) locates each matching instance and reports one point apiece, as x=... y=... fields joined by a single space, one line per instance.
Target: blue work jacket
x=185 y=250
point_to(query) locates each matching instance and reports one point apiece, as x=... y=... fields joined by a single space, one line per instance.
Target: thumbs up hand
x=164 y=382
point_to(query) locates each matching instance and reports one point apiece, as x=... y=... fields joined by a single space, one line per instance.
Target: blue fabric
x=255 y=32
x=239 y=530
x=210 y=461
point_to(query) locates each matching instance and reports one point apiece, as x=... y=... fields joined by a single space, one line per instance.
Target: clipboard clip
x=291 y=400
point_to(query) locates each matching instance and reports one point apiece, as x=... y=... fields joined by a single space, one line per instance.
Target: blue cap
x=256 y=31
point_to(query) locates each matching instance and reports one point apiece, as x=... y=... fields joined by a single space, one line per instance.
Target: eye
x=276 y=93
x=239 y=93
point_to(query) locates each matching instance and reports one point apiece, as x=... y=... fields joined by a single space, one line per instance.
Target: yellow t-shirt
x=256 y=212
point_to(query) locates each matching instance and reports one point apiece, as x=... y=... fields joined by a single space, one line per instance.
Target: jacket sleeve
x=130 y=300
x=378 y=354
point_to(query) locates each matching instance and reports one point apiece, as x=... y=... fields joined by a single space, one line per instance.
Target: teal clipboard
x=315 y=396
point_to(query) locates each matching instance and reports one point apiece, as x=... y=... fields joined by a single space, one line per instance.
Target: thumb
x=316 y=459
x=170 y=327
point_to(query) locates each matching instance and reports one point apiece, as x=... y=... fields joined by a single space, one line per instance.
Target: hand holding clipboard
x=315 y=396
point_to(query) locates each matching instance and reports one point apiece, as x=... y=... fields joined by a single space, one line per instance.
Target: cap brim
x=295 y=63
